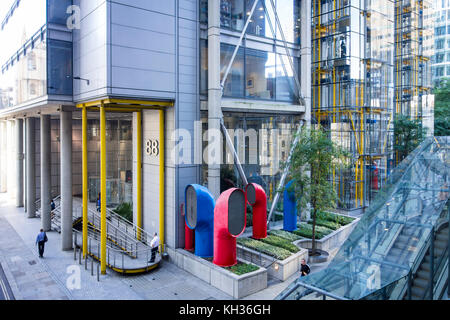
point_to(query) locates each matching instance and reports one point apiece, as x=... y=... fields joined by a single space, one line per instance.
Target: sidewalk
x=33 y=278
x=51 y=277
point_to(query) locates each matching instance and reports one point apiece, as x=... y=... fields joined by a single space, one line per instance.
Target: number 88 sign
x=152 y=147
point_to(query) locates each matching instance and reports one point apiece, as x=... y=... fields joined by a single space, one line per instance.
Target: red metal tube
x=257 y=198
x=229 y=223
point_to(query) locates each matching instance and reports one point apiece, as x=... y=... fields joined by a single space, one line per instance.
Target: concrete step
x=440 y=244
x=443 y=236
x=423 y=274
x=425 y=266
x=420 y=282
x=417 y=291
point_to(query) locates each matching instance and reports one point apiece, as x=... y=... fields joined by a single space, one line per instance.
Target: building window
x=259 y=74
x=232 y=14
x=254 y=74
x=439 y=31
x=31 y=62
x=234 y=83
x=32 y=89
x=439 y=57
x=440 y=44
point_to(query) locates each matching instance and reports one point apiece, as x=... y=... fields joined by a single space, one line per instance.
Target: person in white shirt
x=154 y=244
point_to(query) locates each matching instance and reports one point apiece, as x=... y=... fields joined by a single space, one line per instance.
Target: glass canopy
x=392 y=235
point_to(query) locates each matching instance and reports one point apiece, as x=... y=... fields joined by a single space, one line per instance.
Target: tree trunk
x=313 y=246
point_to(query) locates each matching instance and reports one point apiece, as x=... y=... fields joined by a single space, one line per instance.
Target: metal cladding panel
x=236 y=212
x=251 y=194
x=191 y=207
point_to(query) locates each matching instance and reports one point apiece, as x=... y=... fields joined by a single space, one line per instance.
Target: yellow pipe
x=139 y=173
x=356 y=183
x=103 y=189
x=161 y=178
x=85 y=183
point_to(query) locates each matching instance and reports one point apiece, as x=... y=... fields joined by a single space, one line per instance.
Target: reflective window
x=59 y=67
x=232 y=14
x=285 y=86
x=268 y=76
x=259 y=74
x=234 y=85
x=56 y=11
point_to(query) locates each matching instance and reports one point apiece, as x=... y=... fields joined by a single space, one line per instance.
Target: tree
x=442 y=108
x=311 y=165
x=408 y=134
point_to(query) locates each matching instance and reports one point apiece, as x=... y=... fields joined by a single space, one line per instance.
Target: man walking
x=304 y=269
x=154 y=244
x=41 y=239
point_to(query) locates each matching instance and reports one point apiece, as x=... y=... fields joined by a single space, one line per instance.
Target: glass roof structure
x=390 y=239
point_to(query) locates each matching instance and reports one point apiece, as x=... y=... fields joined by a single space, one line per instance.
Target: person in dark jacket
x=41 y=239
x=304 y=269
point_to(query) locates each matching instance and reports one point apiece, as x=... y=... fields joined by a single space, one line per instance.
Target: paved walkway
x=56 y=275
x=59 y=276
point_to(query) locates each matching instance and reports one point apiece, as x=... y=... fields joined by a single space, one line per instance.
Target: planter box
x=330 y=242
x=280 y=269
x=230 y=283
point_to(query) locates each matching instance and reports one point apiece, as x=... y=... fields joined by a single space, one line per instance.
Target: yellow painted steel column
x=161 y=178
x=103 y=189
x=85 y=182
x=139 y=173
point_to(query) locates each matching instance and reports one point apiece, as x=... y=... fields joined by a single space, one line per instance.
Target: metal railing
x=116 y=258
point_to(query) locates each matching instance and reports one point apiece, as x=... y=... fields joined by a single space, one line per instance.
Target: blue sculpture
x=199 y=215
x=289 y=209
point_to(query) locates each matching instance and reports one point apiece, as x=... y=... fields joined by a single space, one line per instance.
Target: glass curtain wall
x=119 y=159
x=262 y=142
x=233 y=14
x=413 y=50
x=255 y=74
x=352 y=90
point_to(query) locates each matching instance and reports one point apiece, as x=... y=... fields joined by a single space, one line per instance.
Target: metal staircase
x=128 y=246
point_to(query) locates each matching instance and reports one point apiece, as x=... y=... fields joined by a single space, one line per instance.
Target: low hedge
x=326 y=223
x=285 y=235
x=305 y=230
x=266 y=248
x=281 y=243
x=242 y=268
x=328 y=216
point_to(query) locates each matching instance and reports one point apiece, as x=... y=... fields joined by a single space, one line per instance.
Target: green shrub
x=305 y=230
x=242 y=268
x=326 y=223
x=328 y=216
x=125 y=210
x=281 y=243
x=266 y=248
x=285 y=235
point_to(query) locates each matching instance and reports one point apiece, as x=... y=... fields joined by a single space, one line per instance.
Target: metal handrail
x=128 y=224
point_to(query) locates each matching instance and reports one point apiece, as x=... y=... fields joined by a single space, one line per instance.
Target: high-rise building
x=441 y=58
x=370 y=61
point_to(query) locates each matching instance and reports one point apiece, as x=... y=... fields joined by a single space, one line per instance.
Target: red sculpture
x=257 y=198
x=229 y=223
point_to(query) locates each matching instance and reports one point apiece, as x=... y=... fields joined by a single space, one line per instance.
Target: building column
x=66 y=179
x=214 y=97
x=19 y=163
x=46 y=184
x=3 y=157
x=31 y=170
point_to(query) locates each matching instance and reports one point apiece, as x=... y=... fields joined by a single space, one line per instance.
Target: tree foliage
x=408 y=134
x=311 y=166
x=442 y=108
